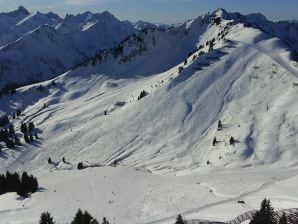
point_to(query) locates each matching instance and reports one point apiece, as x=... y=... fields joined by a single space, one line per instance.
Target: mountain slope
x=52 y=54
x=94 y=114
x=172 y=129
x=28 y=55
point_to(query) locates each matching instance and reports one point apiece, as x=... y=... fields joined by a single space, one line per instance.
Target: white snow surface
x=163 y=141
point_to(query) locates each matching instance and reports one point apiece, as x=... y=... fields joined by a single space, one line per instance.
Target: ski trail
x=196 y=210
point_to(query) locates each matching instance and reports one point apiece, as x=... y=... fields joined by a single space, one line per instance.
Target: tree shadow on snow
x=3 y=155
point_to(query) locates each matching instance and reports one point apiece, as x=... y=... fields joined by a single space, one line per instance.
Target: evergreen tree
x=49 y=160
x=179 y=220
x=214 y=141
x=142 y=94
x=11 y=131
x=24 y=128
x=283 y=219
x=232 y=140
x=18 y=112
x=80 y=166
x=31 y=137
x=24 y=187
x=83 y=218
x=26 y=138
x=31 y=126
x=10 y=143
x=265 y=215
x=219 y=125
x=4 y=120
x=40 y=88
x=105 y=221
x=78 y=219
x=53 y=84
x=45 y=218
x=17 y=140
x=2 y=184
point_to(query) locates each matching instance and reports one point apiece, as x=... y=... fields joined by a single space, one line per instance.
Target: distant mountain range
x=36 y=47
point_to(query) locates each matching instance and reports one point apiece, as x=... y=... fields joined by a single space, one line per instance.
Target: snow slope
x=177 y=121
x=38 y=47
x=52 y=54
x=248 y=81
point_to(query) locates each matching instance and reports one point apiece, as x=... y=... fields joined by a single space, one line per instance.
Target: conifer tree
x=24 y=128
x=26 y=138
x=232 y=140
x=83 y=218
x=31 y=126
x=214 y=141
x=18 y=112
x=45 y=218
x=265 y=215
x=78 y=219
x=179 y=220
x=31 y=137
x=105 y=221
x=219 y=125
x=283 y=219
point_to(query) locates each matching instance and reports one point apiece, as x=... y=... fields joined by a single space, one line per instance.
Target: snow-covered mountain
x=52 y=54
x=284 y=30
x=215 y=67
x=141 y=25
x=73 y=39
x=218 y=61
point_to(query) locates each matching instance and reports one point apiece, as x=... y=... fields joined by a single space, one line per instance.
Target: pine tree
x=283 y=219
x=265 y=215
x=11 y=131
x=26 y=138
x=45 y=218
x=179 y=220
x=17 y=140
x=24 y=128
x=18 y=112
x=219 y=125
x=214 y=141
x=80 y=166
x=232 y=140
x=88 y=219
x=105 y=221
x=10 y=143
x=78 y=219
x=31 y=137
x=31 y=126
x=83 y=218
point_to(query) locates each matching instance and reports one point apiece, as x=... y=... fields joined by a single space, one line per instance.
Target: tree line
x=22 y=185
x=80 y=218
x=265 y=215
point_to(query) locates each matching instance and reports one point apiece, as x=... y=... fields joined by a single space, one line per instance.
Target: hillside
x=208 y=89
x=194 y=74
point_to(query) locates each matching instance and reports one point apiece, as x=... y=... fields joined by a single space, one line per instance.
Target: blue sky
x=164 y=11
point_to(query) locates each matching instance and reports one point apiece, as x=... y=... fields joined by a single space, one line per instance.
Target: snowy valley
x=138 y=105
